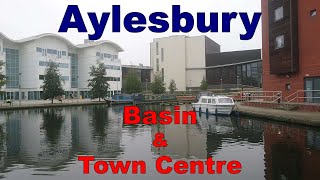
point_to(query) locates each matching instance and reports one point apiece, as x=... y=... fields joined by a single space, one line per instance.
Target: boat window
x=213 y=101
x=209 y=101
x=204 y=100
x=225 y=100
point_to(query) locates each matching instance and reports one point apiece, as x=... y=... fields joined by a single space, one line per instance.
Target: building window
x=65 y=78
x=41 y=77
x=107 y=55
x=288 y=87
x=312 y=93
x=74 y=70
x=278 y=14
x=39 y=49
x=12 y=68
x=279 y=43
x=63 y=53
x=157 y=64
x=98 y=54
x=313 y=12
x=162 y=54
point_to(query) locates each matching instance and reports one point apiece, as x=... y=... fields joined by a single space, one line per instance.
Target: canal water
x=44 y=144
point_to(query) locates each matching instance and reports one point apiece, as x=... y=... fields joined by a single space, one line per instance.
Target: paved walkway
x=306 y=118
x=47 y=103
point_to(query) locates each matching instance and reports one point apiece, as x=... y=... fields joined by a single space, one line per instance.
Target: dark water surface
x=45 y=143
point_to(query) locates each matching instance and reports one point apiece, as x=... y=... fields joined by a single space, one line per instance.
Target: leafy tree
x=2 y=77
x=132 y=84
x=172 y=87
x=158 y=86
x=99 y=82
x=52 y=84
x=204 y=84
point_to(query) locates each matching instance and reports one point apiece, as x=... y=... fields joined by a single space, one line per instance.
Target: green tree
x=2 y=77
x=99 y=82
x=52 y=83
x=158 y=86
x=204 y=84
x=132 y=83
x=172 y=87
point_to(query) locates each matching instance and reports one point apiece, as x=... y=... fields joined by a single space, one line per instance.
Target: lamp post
x=237 y=83
x=19 y=89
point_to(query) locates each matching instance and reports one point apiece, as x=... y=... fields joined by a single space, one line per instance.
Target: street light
x=237 y=83
x=146 y=84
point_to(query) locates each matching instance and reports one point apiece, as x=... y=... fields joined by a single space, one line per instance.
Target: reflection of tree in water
x=106 y=132
x=99 y=121
x=52 y=123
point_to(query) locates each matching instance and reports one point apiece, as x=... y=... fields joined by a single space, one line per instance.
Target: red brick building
x=291 y=46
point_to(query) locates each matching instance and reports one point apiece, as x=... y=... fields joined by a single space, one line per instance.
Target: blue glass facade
x=12 y=68
x=74 y=70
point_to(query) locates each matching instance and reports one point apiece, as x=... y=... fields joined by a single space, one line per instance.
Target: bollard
x=207 y=113
x=199 y=111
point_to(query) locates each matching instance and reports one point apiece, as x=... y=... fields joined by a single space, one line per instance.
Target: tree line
x=98 y=83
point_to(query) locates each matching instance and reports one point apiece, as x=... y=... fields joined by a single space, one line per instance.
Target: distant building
x=144 y=73
x=234 y=69
x=181 y=58
x=189 y=60
x=26 y=60
x=290 y=48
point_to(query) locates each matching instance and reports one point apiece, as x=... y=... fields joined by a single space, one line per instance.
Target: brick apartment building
x=291 y=47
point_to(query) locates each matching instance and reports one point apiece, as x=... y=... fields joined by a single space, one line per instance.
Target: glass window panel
x=278 y=13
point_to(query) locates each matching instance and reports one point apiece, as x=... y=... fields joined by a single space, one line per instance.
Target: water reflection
x=47 y=141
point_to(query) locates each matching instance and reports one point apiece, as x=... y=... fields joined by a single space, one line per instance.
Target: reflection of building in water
x=220 y=128
x=97 y=131
x=291 y=152
x=184 y=141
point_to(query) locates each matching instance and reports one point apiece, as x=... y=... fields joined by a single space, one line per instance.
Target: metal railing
x=269 y=96
x=301 y=96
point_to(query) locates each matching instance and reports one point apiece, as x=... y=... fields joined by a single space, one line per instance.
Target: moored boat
x=214 y=105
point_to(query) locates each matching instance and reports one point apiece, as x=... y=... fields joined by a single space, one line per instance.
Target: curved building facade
x=26 y=60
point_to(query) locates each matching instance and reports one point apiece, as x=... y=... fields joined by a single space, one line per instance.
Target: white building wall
x=30 y=68
x=174 y=60
x=87 y=58
x=196 y=61
x=184 y=60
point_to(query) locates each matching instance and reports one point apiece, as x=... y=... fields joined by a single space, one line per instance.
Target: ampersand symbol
x=159 y=140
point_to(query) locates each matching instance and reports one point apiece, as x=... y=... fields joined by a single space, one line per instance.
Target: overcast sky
x=23 y=18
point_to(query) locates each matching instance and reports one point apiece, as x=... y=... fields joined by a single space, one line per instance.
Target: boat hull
x=225 y=109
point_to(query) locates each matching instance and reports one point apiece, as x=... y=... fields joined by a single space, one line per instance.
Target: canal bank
x=298 y=117
x=83 y=102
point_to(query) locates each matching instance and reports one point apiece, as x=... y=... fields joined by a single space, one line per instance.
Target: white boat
x=214 y=104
